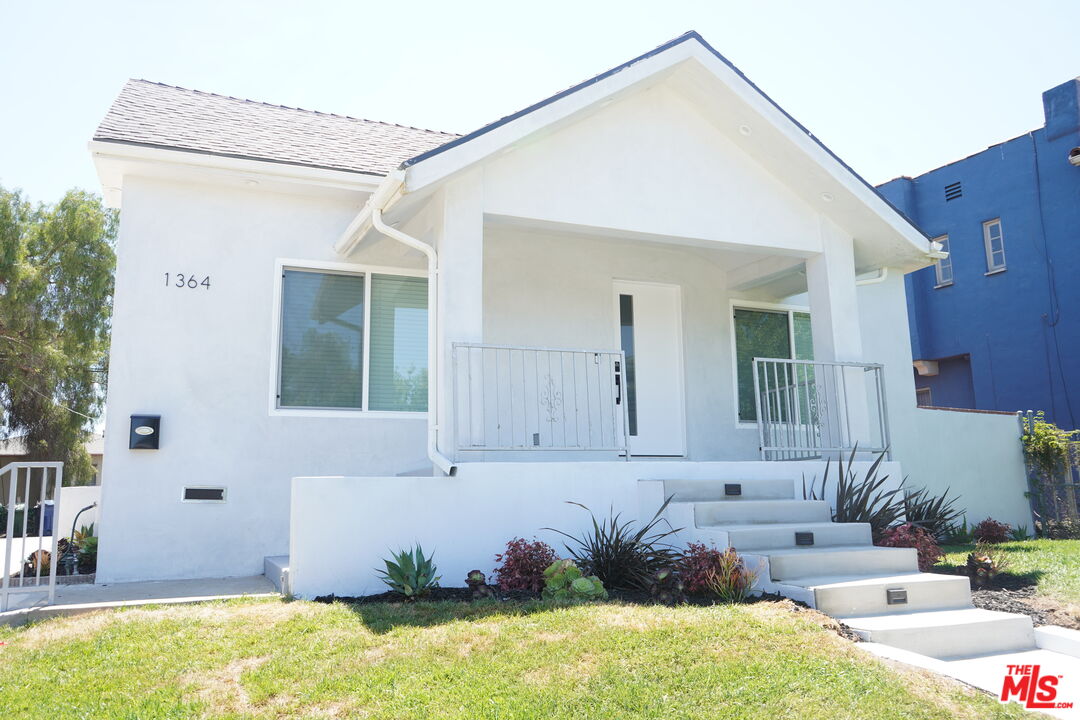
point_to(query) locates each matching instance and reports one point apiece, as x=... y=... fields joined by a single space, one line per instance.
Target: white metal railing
x=508 y=397
x=812 y=409
x=30 y=547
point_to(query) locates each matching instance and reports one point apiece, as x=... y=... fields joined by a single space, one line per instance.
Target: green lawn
x=1053 y=564
x=277 y=659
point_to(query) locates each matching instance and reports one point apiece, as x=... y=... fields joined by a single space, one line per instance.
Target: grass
x=1054 y=565
x=276 y=659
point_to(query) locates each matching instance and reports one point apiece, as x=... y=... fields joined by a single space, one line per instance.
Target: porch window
x=352 y=341
x=767 y=334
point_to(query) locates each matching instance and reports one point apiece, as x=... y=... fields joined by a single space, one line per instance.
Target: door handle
x=618 y=383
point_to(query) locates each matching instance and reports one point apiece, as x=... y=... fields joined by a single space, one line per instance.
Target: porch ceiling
x=766 y=271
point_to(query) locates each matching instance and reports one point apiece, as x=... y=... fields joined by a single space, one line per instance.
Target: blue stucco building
x=996 y=326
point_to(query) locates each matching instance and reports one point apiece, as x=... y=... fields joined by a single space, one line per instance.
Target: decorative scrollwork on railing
x=551 y=400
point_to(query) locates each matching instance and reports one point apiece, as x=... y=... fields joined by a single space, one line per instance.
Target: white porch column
x=834 y=312
x=461 y=287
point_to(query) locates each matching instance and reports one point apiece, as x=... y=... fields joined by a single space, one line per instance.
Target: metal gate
x=30 y=520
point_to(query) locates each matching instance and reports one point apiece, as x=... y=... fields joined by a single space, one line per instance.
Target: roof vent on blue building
x=954 y=191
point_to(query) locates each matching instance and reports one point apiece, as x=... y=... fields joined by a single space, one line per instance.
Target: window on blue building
x=943 y=267
x=995 y=245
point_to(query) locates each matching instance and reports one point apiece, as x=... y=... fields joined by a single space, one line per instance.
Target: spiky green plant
x=861 y=500
x=410 y=574
x=622 y=557
x=933 y=513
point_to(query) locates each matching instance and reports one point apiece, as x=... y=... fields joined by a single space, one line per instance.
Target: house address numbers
x=180 y=280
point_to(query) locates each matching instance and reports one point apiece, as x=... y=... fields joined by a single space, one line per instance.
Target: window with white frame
x=352 y=341
x=766 y=333
x=995 y=245
x=943 y=266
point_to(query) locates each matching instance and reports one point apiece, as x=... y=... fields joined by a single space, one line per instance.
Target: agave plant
x=622 y=557
x=410 y=574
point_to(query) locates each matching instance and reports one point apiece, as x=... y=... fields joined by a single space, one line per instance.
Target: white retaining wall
x=343 y=527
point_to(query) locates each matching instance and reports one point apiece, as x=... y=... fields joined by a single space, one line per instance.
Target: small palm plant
x=410 y=574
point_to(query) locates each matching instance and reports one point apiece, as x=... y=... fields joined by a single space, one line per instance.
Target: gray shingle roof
x=155 y=115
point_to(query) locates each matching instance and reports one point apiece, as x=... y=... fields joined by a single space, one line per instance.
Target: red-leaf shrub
x=992 y=531
x=523 y=565
x=913 y=536
x=699 y=564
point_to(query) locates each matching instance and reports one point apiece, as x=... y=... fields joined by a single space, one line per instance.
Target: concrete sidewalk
x=76 y=599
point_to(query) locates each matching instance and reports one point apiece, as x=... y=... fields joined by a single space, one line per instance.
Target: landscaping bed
x=1042 y=580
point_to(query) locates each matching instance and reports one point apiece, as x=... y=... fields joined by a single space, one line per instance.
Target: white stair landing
x=276 y=570
x=945 y=634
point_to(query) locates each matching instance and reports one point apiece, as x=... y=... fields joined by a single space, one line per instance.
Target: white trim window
x=994 y=239
x=762 y=331
x=351 y=341
x=943 y=266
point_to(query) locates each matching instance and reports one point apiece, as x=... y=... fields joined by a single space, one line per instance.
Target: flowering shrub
x=523 y=565
x=731 y=580
x=992 y=531
x=698 y=563
x=913 y=536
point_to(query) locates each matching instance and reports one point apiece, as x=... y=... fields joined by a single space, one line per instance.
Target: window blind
x=322 y=340
x=398 y=356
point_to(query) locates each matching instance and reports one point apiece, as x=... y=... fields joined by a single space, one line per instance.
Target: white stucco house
x=359 y=335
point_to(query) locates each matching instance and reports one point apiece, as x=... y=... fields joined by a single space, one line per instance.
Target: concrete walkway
x=76 y=599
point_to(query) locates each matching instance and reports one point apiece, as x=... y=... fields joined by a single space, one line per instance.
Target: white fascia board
x=115 y=160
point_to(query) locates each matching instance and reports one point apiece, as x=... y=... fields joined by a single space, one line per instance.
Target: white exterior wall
x=204 y=360
x=977 y=456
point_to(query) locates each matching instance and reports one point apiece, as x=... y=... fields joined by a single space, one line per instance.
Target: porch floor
x=77 y=599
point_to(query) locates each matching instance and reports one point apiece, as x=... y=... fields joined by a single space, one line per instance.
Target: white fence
x=810 y=409
x=31 y=533
x=525 y=398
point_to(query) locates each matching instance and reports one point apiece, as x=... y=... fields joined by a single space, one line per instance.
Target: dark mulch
x=1015 y=594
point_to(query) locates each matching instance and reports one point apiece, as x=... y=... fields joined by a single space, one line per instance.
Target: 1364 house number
x=181 y=280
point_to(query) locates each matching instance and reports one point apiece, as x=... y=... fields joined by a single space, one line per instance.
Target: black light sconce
x=145 y=432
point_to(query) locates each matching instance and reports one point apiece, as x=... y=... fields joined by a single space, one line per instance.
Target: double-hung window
x=783 y=334
x=352 y=341
x=995 y=245
x=943 y=266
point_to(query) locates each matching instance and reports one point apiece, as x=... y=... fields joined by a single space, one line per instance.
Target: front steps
x=799 y=553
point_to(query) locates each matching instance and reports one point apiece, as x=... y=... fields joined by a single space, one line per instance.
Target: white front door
x=648 y=325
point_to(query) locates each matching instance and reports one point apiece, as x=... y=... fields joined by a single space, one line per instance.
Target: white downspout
x=379 y=201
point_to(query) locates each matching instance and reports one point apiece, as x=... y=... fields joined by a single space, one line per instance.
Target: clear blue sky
x=894 y=88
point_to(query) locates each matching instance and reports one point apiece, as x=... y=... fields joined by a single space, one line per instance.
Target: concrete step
x=276 y=570
x=787 y=565
x=761 y=537
x=698 y=490
x=948 y=633
x=745 y=512
x=868 y=595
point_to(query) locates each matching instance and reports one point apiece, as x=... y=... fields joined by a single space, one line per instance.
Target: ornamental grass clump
x=861 y=500
x=732 y=581
x=624 y=558
x=985 y=563
x=410 y=574
x=910 y=535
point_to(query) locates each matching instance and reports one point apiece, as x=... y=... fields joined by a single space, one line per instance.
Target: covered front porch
x=595 y=345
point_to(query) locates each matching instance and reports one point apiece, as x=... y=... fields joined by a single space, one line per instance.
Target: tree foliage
x=56 y=286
